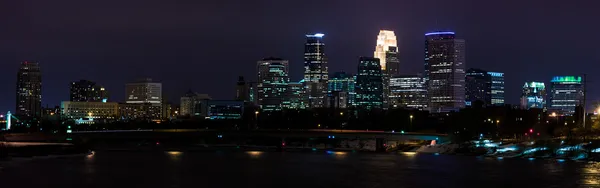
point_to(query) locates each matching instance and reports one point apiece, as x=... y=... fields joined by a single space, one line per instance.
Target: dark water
x=289 y=169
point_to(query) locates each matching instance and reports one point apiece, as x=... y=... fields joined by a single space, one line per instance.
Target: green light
x=576 y=79
x=402 y=132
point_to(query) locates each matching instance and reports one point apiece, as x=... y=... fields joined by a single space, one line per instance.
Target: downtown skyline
x=188 y=66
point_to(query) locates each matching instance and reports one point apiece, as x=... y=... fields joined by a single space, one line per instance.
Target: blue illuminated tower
x=445 y=71
x=566 y=94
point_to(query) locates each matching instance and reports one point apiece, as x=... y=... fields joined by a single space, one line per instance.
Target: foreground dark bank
x=292 y=169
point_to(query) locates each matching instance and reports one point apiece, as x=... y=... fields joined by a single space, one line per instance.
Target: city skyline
x=99 y=58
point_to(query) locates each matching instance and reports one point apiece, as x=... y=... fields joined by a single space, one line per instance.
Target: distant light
x=282 y=143
x=393 y=131
x=530 y=130
x=332 y=136
x=436 y=154
x=314 y=149
x=440 y=33
x=402 y=132
x=319 y=35
x=500 y=158
x=531 y=158
x=560 y=160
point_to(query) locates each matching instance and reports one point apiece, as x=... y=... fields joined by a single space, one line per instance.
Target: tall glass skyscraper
x=369 y=84
x=315 y=70
x=534 y=95
x=273 y=82
x=445 y=71
x=566 y=94
x=342 y=82
x=29 y=91
x=386 y=51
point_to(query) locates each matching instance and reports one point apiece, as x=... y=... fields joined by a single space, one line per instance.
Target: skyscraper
x=369 y=84
x=534 y=95
x=144 y=91
x=294 y=97
x=566 y=94
x=315 y=70
x=408 y=91
x=386 y=51
x=496 y=88
x=445 y=71
x=29 y=91
x=477 y=87
x=342 y=82
x=273 y=82
x=88 y=91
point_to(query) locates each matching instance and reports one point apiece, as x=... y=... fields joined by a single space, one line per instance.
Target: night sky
x=206 y=45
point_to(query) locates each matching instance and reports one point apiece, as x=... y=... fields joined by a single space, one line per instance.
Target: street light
x=411 y=118
x=341 y=113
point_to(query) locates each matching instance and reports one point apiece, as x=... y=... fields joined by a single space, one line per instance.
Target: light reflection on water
x=590 y=174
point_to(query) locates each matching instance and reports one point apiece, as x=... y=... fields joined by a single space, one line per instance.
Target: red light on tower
x=525 y=134
x=282 y=143
x=530 y=130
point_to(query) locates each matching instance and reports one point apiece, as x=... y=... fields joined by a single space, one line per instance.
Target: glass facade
x=315 y=70
x=386 y=51
x=566 y=94
x=477 y=87
x=295 y=98
x=534 y=95
x=342 y=82
x=29 y=91
x=496 y=88
x=273 y=82
x=369 y=84
x=144 y=91
x=408 y=91
x=445 y=71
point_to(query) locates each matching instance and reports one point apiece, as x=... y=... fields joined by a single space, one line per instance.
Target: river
x=292 y=169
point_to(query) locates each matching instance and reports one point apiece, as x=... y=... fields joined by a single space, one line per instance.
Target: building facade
x=445 y=71
x=144 y=91
x=191 y=104
x=315 y=70
x=29 y=92
x=87 y=91
x=343 y=82
x=496 y=88
x=369 y=84
x=386 y=51
x=295 y=98
x=273 y=82
x=242 y=90
x=224 y=109
x=141 y=112
x=566 y=94
x=533 y=95
x=477 y=87
x=408 y=91
x=90 y=111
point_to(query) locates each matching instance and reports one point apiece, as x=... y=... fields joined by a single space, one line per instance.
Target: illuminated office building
x=294 y=97
x=91 y=111
x=342 y=82
x=445 y=71
x=533 y=95
x=29 y=92
x=141 y=111
x=88 y=91
x=315 y=70
x=273 y=82
x=566 y=93
x=477 y=87
x=144 y=91
x=386 y=51
x=369 y=84
x=486 y=87
x=191 y=104
x=496 y=88
x=408 y=91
